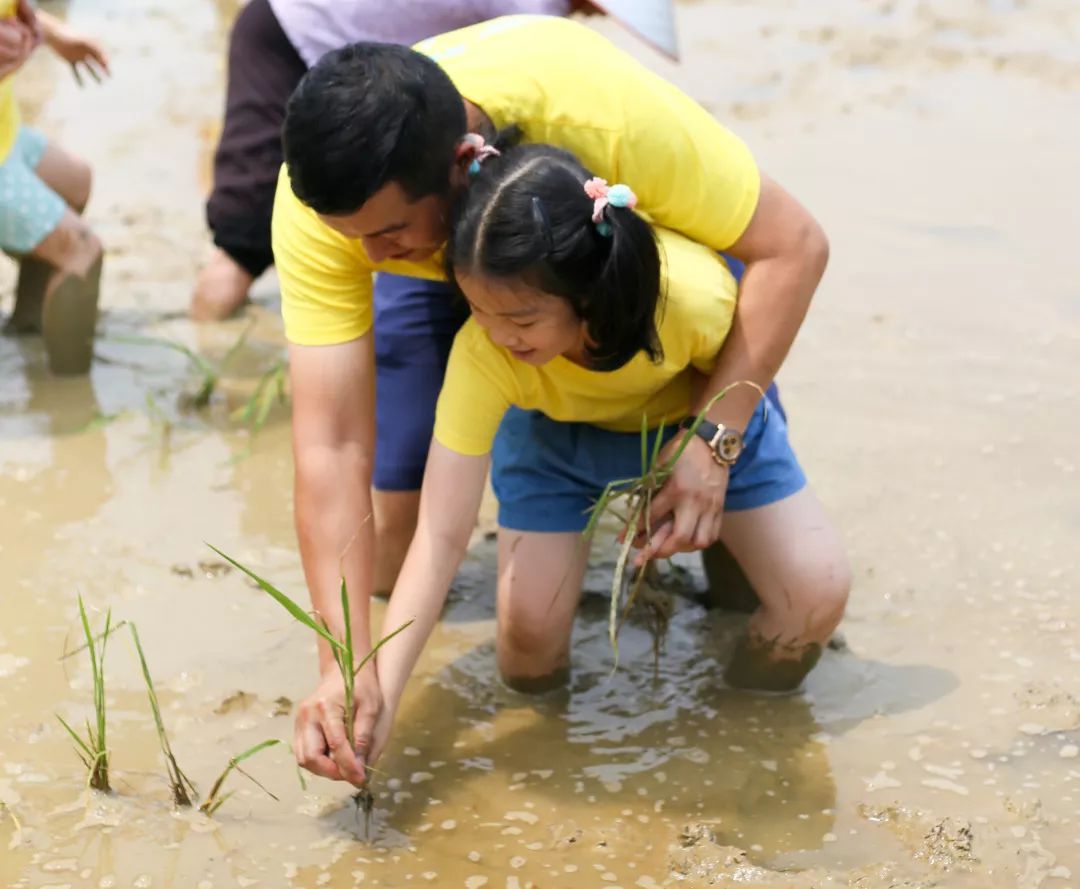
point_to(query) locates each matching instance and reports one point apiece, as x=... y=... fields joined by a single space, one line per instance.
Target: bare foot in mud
x=768 y=665
x=221 y=289
x=26 y=319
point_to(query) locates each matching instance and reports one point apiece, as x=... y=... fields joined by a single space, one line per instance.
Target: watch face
x=730 y=446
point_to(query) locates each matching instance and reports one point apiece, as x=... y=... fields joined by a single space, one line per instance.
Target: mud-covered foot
x=767 y=665
x=68 y=322
x=21 y=324
x=221 y=289
x=34 y=277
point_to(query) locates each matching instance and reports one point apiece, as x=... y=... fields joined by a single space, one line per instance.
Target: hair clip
x=543 y=223
x=604 y=196
x=483 y=151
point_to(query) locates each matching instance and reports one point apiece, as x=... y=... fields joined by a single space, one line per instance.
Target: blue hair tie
x=474 y=168
x=604 y=228
x=621 y=196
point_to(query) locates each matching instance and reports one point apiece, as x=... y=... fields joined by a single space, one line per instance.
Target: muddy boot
x=34 y=276
x=728 y=589
x=68 y=322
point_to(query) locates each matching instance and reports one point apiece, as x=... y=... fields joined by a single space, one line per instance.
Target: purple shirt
x=315 y=27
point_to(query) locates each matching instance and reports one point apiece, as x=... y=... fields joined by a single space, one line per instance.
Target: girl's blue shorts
x=547 y=474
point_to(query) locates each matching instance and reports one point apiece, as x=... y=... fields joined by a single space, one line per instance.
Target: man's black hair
x=366 y=115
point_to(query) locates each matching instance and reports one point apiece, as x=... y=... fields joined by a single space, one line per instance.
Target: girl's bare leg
x=540 y=577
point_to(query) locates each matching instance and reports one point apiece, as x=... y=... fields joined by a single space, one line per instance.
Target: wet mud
x=933 y=401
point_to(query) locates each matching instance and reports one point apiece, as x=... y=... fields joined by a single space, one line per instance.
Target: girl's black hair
x=525 y=216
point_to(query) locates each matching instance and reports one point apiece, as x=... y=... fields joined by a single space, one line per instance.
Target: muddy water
x=934 y=401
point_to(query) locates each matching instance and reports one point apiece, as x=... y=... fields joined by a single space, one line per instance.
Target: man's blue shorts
x=415 y=324
x=547 y=474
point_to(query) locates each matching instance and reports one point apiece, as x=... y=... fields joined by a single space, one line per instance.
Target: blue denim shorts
x=547 y=474
x=415 y=325
x=29 y=209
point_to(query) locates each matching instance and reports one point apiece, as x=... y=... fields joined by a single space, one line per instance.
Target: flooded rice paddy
x=934 y=401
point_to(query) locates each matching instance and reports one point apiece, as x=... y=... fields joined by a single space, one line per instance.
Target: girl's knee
x=82 y=176
x=530 y=648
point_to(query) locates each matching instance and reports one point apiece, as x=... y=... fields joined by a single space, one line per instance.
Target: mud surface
x=933 y=399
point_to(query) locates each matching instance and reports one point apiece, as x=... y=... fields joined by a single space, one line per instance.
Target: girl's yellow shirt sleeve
x=326 y=279
x=478 y=390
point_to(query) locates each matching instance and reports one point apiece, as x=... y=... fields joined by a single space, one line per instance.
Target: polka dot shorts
x=29 y=209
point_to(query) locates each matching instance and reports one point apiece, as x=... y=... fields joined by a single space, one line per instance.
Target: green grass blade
x=617 y=581
x=375 y=648
x=644 y=444
x=283 y=600
x=258 y=748
x=210 y=810
x=79 y=741
x=658 y=443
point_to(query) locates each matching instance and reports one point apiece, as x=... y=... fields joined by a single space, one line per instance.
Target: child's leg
x=71 y=294
x=69 y=177
x=540 y=577
x=795 y=561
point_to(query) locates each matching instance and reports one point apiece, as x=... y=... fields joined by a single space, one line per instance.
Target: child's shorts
x=547 y=474
x=29 y=209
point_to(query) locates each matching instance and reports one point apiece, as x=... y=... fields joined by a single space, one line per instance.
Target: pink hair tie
x=604 y=196
x=483 y=151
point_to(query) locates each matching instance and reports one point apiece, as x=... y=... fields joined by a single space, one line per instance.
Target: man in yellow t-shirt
x=376 y=150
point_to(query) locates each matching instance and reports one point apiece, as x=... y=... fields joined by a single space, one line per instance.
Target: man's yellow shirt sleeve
x=326 y=281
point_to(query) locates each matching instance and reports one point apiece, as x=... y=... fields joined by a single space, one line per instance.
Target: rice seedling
x=182 y=788
x=215 y=799
x=269 y=390
x=342 y=649
x=630 y=501
x=93 y=750
x=209 y=374
x=16 y=839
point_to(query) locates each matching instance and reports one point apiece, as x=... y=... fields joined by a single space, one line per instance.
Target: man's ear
x=464 y=155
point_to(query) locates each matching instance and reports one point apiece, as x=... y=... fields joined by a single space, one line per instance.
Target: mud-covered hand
x=320 y=740
x=75 y=48
x=688 y=510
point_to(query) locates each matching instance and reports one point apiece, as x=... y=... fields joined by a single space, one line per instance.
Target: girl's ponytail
x=534 y=213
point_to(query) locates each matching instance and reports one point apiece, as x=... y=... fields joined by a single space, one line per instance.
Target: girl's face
x=531 y=325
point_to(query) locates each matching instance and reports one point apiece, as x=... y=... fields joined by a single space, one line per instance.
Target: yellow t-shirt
x=9 y=110
x=564 y=84
x=483 y=380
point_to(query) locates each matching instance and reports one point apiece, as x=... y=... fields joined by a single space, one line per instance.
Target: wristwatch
x=726 y=444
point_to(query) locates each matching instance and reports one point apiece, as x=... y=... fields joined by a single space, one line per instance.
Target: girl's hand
x=320 y=741
x=687 y=512
x=76 y=49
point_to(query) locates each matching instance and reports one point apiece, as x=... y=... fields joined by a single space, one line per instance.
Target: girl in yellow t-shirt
x=584 y=320
x=43 y=190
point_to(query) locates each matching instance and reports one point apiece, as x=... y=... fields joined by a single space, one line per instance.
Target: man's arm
x=785 y=251
x=333 y=390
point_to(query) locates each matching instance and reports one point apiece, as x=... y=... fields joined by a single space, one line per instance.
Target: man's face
x=391 y=227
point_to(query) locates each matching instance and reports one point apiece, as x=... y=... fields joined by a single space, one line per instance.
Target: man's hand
x=320 y=741
x=687 y=512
